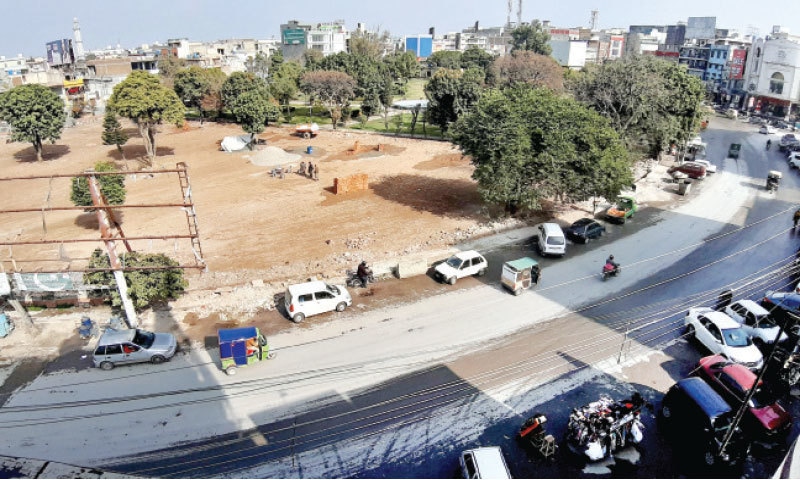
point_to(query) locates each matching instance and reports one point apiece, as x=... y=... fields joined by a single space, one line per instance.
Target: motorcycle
x=610 y=271
x=354 y=282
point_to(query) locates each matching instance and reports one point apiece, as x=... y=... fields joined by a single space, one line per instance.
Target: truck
x=624 y=209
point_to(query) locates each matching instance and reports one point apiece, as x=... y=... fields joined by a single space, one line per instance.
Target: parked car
x=794 y=159
x=697 y=419
x=720 y=334
x=584 y=230
x=624 y=209
x=710 y=167
x=550 y=239
x=460 y=265
x=786 y=301
x=690 y=169
x=787 y=141
x=756 y=321
x=765 y=417
x=486 y=462
x=312 y=298
x=118 y=347
x=767 y=129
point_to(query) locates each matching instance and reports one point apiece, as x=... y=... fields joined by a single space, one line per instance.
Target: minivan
x=117 y=347
x=312 y=298
x=551 y=240
x=486 y=462
x=698 y=419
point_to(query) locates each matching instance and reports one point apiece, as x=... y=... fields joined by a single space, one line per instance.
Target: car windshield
x=144 y=339
x=736 y=337
x=454 y=262
x=333 y=289
x=765 y=321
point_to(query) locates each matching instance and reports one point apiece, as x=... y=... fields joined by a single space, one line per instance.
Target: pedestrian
x=302 y=170
x=796 y=217
x=316 y=171
x=310 y=172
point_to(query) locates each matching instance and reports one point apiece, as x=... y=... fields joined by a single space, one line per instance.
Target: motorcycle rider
x=363 y=273
x=769 y=143
x=796 y=217
x=611 y=265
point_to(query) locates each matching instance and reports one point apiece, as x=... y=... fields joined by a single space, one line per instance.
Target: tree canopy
x=199 y=88
x=111 y=186
x=144 y=286
x=333 y=89
x=528 y=144
x=524 y=66
x=113 y=134
x=451 y=93
x=35 y=113
x=649 y=101
x=371 y=44
x=531 y=37
x=445 y=59
x=143 y=99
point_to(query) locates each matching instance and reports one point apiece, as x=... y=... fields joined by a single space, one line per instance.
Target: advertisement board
x=294 y=36
x=59 y=52
x=737 y=63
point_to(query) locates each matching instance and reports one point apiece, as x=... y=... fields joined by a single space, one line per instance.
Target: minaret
x=76 y=28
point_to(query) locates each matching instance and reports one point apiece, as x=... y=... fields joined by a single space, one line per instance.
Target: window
x=324 y=295
x=476 y=261
x=306 y=297
x=101 y=350
x=113 y=349
x=469 y=465
x=776 y=83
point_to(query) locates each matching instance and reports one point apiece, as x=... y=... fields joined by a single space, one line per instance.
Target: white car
x=312 y=298
x=460 y=265
x=794 y=159
x=723 y=335
x=710 y=167
x=768 y=129
x=756 y=321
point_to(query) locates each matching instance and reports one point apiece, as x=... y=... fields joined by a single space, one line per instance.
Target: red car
x=765 y=417
x=690 y=169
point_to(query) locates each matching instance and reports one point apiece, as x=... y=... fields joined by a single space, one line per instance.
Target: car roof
x=467 y=254
x=490 y=462
x=712 y=404
x=551 y=227
x=753 y=307
x=583 y=221
x=116 y=336
x=234 y=334
x=307 y=287
x=788 y=300
x=720 y=319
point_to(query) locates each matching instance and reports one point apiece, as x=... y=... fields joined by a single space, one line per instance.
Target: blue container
x=309 y=149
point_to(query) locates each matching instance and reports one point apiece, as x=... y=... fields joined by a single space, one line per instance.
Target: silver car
x=118 y=347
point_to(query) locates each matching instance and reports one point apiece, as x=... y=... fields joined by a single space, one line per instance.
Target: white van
x=486 y=462
x=551 y=240
x=311 y=298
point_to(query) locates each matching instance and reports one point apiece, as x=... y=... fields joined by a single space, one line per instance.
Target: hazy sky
x=29 y=24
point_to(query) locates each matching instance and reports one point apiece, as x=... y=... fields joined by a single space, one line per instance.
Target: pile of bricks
x=353 y=183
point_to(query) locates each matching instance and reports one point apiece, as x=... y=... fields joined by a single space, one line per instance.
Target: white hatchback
x=755 y=320
x=722 y=335
x=312 y=298
x=460 y=265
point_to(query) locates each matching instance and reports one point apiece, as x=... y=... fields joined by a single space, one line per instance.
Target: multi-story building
x=326 y=38
x=772 y=75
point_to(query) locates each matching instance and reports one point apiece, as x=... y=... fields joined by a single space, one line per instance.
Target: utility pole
x=101 y=207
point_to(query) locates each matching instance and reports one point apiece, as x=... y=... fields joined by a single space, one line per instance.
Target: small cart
x=520 y=274
x=733 y=151
x=239 y=347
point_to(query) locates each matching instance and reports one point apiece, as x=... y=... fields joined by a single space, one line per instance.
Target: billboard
x=737 y=64
x=701 y=28
x=59 y=52
x=294 y=36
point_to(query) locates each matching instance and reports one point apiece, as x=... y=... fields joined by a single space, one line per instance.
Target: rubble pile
x=272 y=157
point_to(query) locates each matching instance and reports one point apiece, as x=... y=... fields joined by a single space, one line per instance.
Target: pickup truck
x=623 y=210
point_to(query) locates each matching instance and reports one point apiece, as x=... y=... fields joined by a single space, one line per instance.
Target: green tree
x=275 y=60
x=143 y=99
x=253 y=111
x=528 y=144
x=369 y=44
x=113 y=134
x=159 y=283
x=168 y=66
x=191 y=85
x=211 y=100
x=35 y=113
x=402 y=66
x=524 y=66
x=445 y=59
x=335 y=90
x=451 y=93
x=283 y=83
x=649 y=101
x=312 y=59
x=258 y=65
x=476 y=57
x=240 y=82
x=531 y=37
x=111 y=186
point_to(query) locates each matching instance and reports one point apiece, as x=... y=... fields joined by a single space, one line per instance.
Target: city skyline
x=132 y=24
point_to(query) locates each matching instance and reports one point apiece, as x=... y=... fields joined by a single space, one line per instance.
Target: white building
x=773 y=75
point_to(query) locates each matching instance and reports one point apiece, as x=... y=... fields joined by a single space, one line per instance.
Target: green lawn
x=400 y=123
x=415 y=89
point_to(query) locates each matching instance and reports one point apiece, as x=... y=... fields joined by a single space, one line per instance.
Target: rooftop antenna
x=508 y=16
x=519 y=13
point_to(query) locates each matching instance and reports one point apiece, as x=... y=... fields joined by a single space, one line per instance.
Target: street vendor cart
x=773 y=180
x=239 y=347
x=520 y=274
x=598 y=429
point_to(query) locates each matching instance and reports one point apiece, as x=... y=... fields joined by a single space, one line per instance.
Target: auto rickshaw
x=239 y=347
x=733 y=151
x=520 y=274
x=773 y=180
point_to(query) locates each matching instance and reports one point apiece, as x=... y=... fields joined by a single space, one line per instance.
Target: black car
x=584 y=229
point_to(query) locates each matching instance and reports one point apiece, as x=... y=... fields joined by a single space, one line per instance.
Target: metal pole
x=111 y=245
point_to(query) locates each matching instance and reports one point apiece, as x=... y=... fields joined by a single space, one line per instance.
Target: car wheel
x=517 y=292
x=451 y=280
x=106 y=365
x=231 y=370
x=586 y=240
x=341 y=306
x=156 y=359
x=690 y=333
x=298 y=317
x=481 y=272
